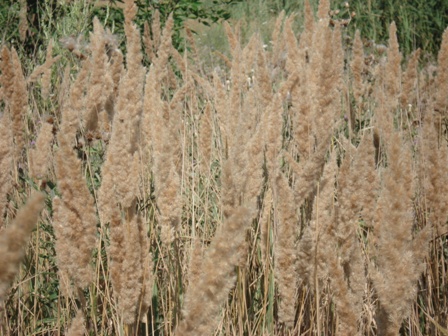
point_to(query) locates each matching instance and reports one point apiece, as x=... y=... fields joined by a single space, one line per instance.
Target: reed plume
x=23 y=20
x=7 y=75
x=14 y=238
x=132 y=267
x=75 y=219
x=244 y=199
x=205 y=298
x=285 y=256
x=96 y=84
x=44 y=70
x=392 y=77
x=77 y=327
x=6 y=163
x=395 y=269
x=122 y=153
x=160 y=131
x=329 y=253
x=357 y=67
x=40 y=157
x=410 y=83
x=441 y=101
x=433 y=175
x=16 y=94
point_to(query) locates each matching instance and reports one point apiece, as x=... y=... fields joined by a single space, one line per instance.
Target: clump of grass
x=296 y=189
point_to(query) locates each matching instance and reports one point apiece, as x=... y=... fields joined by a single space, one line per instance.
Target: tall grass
x=298 y=189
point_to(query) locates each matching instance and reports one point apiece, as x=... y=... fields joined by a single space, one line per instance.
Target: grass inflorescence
x=293 y=188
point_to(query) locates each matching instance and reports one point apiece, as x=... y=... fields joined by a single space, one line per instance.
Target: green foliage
x=9 y=12
x=289 y=6
x=47 y=20
x=420 y=23
x=182 y=10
